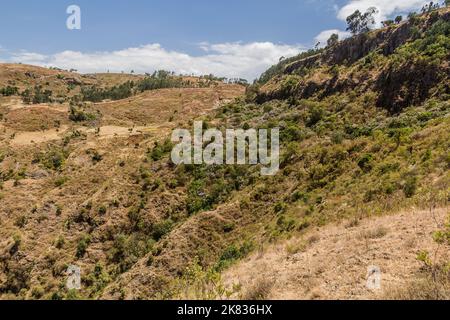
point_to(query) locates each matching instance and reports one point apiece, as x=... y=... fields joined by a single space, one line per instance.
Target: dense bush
x=83 y=244
x=160 y=150
x=161 y=229
x=79 y=115
x=160 y=80
x=127 y=250
x=232 y=254
x=53 y=159
x=9 y=91
x=95 y=94
x=36 y=95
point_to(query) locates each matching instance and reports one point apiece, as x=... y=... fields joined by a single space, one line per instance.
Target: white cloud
x=386 y=8
x=246 y=60
x=325 y=35
x=26 y=57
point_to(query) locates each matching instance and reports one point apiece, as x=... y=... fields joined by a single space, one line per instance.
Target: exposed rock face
x=73 y=81
x=304 y=63
x=408 y=85
x=353 y=49
x=397 y=87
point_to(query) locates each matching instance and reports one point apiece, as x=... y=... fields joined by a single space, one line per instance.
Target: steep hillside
x=332 y=262
x=403 y=64
x=87 y=179
x=345 y=155
x=69 y=187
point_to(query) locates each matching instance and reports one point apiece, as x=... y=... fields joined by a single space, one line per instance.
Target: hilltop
x=87 y=179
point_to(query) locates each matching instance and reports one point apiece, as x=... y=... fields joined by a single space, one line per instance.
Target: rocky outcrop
x=350 y=50
x=398 y=84
x=409 y=85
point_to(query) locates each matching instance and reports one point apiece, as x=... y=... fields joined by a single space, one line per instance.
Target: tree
x=9 y=91
x=430 y=7
x=399 y=19
x=361 y=23
x=333 y=40
x=447 y=3
x=387 y=23
x=27 y=96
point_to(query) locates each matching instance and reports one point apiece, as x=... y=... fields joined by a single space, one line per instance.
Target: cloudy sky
x=231 y=38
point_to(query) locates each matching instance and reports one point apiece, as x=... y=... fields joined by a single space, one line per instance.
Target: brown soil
x=332 y=263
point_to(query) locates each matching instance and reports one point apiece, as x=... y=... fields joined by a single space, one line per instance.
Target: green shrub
x=21 y=221
x=97 y=280
x=59 y=182
x=232 y=254
x=291 y=133
x=102 y=210
x=161 y=229
x=96 y=157
x=315 y=114
x=280 y=207
x=366 y=162
x=410 y=186
x=127 y=250
x=59 y=242
x=285 y=224
x=58 y=210
x=79 y=115
x=83 y=244
x=136 y=219
x=9 y=91
x=53 y=159
x=197 y=199
x=298 y=195
x=337 y=137
x=160 y=150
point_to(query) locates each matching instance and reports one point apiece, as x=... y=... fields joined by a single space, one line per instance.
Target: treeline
x=158 y=80
x=29 y=96
x=161 y=80
x=95 y=94
x=213 y=78
x=36 y=95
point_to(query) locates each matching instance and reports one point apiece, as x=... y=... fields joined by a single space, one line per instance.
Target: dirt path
x=112 y=131
x=333 y=262
x=28 y=138
x=105 y=132
x=17 y=104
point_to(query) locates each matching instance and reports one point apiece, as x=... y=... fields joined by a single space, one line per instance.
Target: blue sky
x=229 y=38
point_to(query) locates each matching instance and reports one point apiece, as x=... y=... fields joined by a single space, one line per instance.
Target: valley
x=86 y=178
